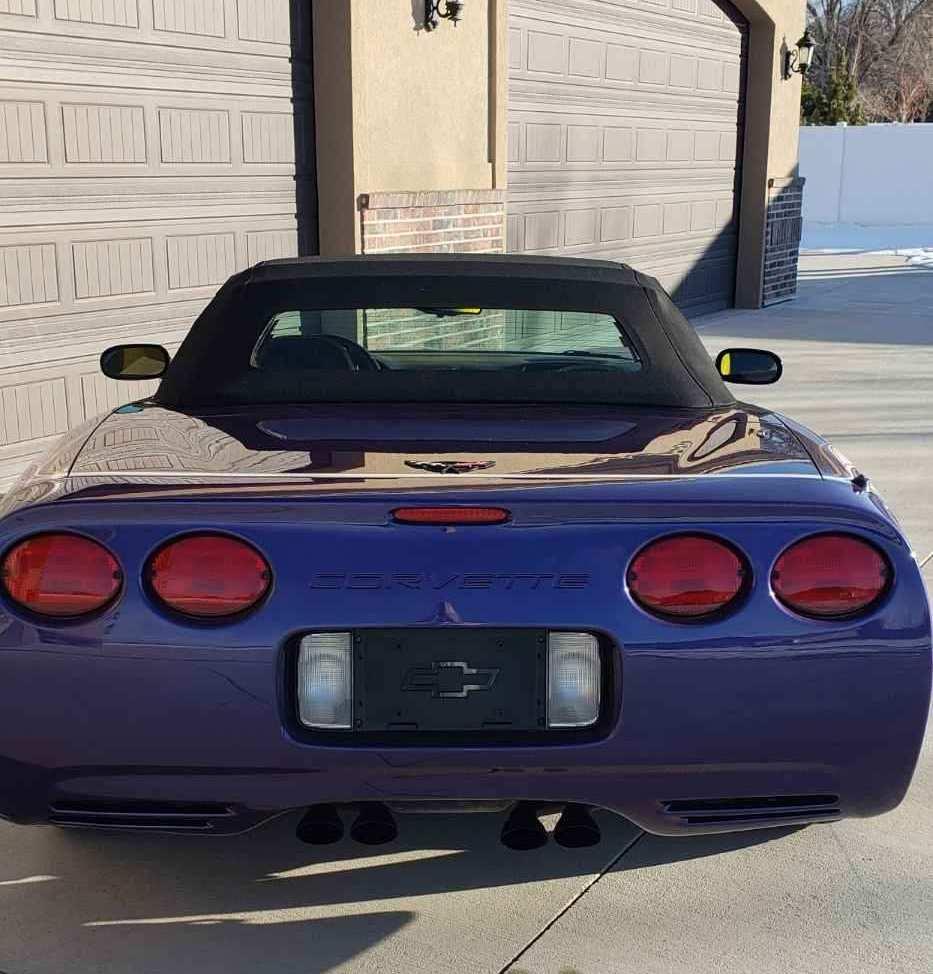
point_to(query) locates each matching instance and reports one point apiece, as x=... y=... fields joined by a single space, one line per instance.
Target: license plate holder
x=437 y=680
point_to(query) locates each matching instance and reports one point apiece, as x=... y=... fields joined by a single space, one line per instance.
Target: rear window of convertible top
x=438 y=353
x=441 y=339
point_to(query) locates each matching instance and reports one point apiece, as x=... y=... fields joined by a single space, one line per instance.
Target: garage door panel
x=87 y=134
x=659 y=230
x=23 y=132
x=200 y=259
x=206 y=18
x=631 y=114
x=264 y=25
x=616 y=224
x=708 y=131
x=621 y=109
x=94 y=272
x=28 y=275
x=584 y=143
x=543 y=142
x=605 y=149
x=147 y=151
x=654 y=20
x=25 y=8
x=630 y=50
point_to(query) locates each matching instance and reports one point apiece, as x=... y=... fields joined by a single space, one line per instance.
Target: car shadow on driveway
x=264 y=901
x=661 y=850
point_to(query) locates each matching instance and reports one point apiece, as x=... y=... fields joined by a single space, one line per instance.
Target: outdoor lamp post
x=799 y=61
x=452 y=11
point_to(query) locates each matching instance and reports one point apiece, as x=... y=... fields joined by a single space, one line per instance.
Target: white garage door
x=625 y=128
x=147 y=152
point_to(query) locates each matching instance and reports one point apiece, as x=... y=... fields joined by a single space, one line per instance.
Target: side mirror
x=134 y=362
x=749 y=366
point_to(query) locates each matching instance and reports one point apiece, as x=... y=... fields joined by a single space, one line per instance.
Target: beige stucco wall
x=772 y=113
x=780 y=23
x=399 y=108
x=425 y=110
x=421 y=99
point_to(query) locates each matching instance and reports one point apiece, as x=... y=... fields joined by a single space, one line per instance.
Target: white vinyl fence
x=868 y=187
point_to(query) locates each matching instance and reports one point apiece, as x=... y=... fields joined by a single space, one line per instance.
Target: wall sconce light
x=452 y=11
x=798 y=62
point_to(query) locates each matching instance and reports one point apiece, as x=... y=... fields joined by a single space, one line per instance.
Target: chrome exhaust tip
x=374 y=825
x=576 y=828
x=522 y=829
x=320 y=825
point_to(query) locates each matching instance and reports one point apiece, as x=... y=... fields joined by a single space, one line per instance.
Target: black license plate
x=450 y=680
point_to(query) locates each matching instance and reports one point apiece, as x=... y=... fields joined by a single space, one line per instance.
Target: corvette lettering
x=428 y=581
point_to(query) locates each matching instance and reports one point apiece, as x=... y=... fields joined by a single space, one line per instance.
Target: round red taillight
x=61 y=575
x=209 y=576
x=686 y=576
x=830 y=576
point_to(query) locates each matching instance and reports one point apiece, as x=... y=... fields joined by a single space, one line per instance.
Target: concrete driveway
x=856 y=897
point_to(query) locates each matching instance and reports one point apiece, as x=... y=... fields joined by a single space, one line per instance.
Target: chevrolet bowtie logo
x=449 y=679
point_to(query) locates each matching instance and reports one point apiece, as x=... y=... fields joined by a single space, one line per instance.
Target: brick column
x=449 y=221
x=783 y=226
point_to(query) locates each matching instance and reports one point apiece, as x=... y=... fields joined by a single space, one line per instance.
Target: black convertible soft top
x=677 y=371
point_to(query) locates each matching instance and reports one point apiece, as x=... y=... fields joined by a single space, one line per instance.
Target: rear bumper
x=230 y=803
x=699 y=725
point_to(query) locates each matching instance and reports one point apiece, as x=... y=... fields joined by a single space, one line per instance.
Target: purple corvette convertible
x=448 y=533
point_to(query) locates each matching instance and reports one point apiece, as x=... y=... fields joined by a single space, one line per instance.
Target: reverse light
x=209 y=576
x=325 y=681
x=573 y=679
x=686 y=576
x=450 y=515
x=61 y=575
x=830 y=576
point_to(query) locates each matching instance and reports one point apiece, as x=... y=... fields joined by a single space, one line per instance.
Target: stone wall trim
x=783 y=229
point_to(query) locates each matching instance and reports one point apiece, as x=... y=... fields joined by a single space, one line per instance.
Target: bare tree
x=898 y=84
x=882 y=48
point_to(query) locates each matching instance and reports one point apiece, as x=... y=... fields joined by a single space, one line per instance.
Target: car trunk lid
x=356 y=444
